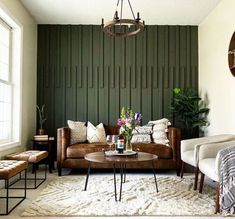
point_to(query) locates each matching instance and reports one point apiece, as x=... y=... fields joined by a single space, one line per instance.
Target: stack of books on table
x=41 y=137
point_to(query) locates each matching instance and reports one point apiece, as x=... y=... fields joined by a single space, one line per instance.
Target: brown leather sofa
x=72 y=156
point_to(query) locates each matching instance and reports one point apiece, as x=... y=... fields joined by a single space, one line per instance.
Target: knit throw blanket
x=227 y=179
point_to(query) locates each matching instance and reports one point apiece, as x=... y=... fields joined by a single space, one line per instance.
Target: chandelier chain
x=131 y=9
x=121 y=9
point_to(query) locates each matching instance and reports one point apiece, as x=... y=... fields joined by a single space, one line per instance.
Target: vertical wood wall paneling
x=194 y=55
x=96 y=64
x=81 y=88
x=118 y=64
x=70 y=98
x=183 y=55
x=75 y=80
x=139 y=65
x=84 y=75
x=123 y=74
x=155 y=93
x=100 y=80
x=166 y=72
x=113 y=99
x=150 y=64
x=52 y=64
x=177 y=57
x=47 y=82
x=161 y=65
x=64 y=43
x=90 y=71
x=41 y=40
x=135 y=103
x=58 y=113
x=188 y=57
x=104 y=81
x=41 y=58
x=146 y=104
x=128 y=69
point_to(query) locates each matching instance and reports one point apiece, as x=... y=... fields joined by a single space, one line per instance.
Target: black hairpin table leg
x=124 y=165
x=87 y=176
x=115 y=182
x=121 y=173
x=154 y=174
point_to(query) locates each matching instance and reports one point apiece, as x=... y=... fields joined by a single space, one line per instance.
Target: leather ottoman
x=8 y=169
x=32 y=157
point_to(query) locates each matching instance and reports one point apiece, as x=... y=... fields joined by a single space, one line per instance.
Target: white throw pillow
x=160 y=137
x=164 y=120
x=77 y=131
x=96 y=134
x=160 y=129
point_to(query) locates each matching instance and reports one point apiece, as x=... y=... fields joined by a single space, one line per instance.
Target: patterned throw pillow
x=96 y=134
x=141 y=138
x=142 y=134
x=146 y=129
x=77 y=131
x=160 y=129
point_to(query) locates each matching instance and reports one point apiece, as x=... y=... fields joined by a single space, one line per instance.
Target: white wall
x=29 y=64
x=215 y=78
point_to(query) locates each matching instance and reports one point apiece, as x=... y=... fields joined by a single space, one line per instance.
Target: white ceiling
x=162 y=12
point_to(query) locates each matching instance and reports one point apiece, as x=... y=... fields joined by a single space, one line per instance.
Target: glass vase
x=128 y=144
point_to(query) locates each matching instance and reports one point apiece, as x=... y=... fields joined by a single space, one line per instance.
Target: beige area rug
x=65 y=197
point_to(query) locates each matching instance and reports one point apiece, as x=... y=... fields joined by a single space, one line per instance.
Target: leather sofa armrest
x=63 y=141
x=174 y=136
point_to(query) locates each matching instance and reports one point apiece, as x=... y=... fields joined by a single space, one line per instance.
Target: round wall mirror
x=231 y=55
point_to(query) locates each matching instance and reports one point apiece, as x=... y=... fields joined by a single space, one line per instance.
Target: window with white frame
x=9 y=85
x=5 y=83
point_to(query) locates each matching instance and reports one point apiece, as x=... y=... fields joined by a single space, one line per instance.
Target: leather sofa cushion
x=162 y=151
x=79 y=150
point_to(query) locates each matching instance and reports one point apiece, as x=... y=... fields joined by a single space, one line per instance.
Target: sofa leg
x=196 y=178
x=217 y=206
x=182 y=169
x=59 y=171
x=201 y=182
x=178 y=171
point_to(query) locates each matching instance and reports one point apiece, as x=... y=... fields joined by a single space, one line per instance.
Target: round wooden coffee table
x=119 y=161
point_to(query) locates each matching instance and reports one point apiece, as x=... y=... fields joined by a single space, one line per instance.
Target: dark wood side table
x=47 y=145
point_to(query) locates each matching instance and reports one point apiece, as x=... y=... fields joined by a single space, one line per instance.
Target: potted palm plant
x=42 y=119
x=189 y=111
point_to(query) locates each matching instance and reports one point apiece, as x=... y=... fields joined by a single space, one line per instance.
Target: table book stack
x=41 y=137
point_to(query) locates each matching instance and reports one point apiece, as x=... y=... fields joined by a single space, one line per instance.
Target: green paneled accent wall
x=85 y=75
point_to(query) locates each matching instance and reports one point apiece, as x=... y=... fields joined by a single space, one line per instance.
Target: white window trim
x=16 y=72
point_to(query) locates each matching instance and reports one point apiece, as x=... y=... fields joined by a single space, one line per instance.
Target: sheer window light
x=10 y=41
